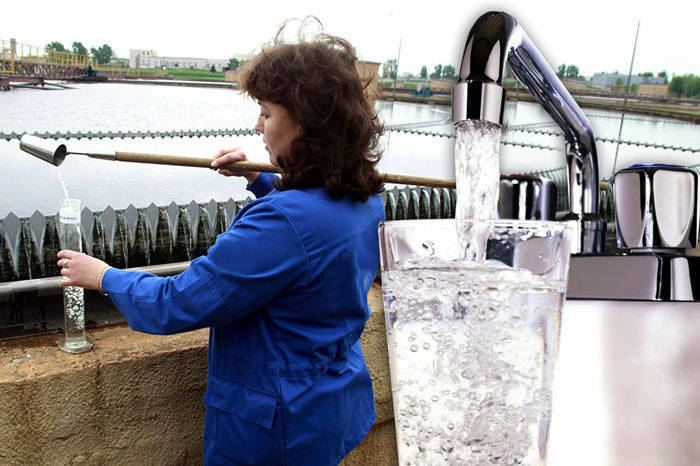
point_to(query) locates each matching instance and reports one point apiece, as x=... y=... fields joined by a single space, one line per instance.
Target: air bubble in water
x=468 y=396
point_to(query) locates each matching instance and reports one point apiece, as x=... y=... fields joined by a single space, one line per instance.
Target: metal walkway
x=28 y=63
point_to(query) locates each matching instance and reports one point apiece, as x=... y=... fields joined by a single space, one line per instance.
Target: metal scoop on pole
x=55 y=154
x=45 y=150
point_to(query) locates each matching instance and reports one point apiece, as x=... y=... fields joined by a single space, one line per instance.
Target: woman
x=284 y=289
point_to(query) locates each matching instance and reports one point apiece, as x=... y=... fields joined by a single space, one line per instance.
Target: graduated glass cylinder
x=472 y=345
x=74 y=339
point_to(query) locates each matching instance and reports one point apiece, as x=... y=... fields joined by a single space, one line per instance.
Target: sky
x=595 y=35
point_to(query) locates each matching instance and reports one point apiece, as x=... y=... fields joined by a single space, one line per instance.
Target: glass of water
x=74 y=339
x=472 y=343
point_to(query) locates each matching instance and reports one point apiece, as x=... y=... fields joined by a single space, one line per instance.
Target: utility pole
x=624 y=105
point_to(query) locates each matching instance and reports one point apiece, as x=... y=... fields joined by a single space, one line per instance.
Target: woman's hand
x=224 y=160
x=81 y=270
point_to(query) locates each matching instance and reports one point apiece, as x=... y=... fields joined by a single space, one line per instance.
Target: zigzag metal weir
x=198 y=133
x=135 y=237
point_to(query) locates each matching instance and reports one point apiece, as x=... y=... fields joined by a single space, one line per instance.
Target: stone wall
x=137 y=399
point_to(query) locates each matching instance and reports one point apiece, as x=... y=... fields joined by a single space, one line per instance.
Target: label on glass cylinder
x=69 y=216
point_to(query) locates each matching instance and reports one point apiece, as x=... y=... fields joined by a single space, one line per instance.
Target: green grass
x=195 y=75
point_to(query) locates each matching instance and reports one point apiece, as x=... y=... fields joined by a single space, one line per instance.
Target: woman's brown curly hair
x=319 y=85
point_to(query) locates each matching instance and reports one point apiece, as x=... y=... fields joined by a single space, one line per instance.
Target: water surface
x=28 y=184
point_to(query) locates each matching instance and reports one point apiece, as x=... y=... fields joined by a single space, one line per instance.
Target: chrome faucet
x=479 y=95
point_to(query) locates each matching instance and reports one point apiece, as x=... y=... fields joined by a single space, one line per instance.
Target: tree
x=389 y=68
x=234 y=64
x=103 y=54
x=212 y=69
x=437 y=73
x=676 y=86
x=448 y=72
x=424 y=72
x=618 y=83
x=663 y=74
x=647 y=74
x=561 y=71
x=57 y=46
x=687 y=85
x=571 y=72
x=634 y=88
x=79 y=48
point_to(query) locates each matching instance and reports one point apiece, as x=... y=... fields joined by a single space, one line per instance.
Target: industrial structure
x=609 y=80
x=149 y=59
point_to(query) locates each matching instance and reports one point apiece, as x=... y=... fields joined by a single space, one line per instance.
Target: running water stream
x=477 y=169
x=477 y=172
x=63 y=183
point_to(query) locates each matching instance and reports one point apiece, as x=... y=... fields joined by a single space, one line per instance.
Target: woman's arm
x=249 y=265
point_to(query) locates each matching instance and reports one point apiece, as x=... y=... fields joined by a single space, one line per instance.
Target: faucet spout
x=496 y=38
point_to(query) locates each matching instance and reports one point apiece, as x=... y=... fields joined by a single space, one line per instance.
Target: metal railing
x=198 y=133
x=15 y=53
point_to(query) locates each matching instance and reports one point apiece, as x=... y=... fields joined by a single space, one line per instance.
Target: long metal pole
x=52 y=285
x=624 y=106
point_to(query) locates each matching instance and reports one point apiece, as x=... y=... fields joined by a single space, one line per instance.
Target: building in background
x=369 y=71
x=653 y=89
x=149 y=59
x=119 y=62
x=610 y=80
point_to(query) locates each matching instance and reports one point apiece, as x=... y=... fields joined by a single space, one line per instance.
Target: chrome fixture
x=525 y=197
x=656 y=213
x=635 y=277
x=656 y=208
x=496 y=39
x=631 y=320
